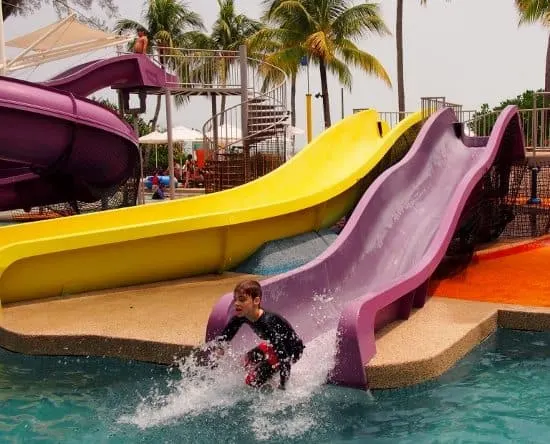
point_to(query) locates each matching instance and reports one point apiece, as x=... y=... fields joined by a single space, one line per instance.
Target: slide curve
x=56 y=147
x=130 y=71
x=378 y=267
x=201 y=234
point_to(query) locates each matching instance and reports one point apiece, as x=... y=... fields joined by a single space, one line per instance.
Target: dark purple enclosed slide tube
x=377 y=270
x=57 y=147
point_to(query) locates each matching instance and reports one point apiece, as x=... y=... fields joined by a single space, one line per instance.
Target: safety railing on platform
x=237 y=134
x=535 y=124
x=200 y=69
x=392 y=118
x=255 y=128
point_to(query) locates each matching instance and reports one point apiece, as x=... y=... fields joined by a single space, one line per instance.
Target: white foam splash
x=201 y=389
x=285 y=414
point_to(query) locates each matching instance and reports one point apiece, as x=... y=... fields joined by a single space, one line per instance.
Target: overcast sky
x=471 y=51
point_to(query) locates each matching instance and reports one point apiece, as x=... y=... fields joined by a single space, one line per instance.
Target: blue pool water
x=499 y=393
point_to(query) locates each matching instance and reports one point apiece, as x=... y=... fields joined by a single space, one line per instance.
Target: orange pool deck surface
x=511 y=274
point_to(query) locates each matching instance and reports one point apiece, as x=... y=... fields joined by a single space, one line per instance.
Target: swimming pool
x=499 y=393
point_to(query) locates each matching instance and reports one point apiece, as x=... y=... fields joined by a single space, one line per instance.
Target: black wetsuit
x=280 y=335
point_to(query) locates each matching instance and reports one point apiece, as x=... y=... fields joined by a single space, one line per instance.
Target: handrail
x=270 y=114
x=534 y=124
x=220 y=72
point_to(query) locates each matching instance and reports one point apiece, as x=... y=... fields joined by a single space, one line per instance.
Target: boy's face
x=245 y=305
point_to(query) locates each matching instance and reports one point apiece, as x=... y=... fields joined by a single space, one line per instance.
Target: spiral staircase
x=247 y=138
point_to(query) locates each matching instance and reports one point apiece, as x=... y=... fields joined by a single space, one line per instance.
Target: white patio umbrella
x=180 y=135
x=154 y=138
x=184 y=134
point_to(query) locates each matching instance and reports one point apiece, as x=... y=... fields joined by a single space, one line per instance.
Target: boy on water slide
x=280 y=347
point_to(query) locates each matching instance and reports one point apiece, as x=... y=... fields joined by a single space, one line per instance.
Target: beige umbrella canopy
x=154 y=138
x=64 y=38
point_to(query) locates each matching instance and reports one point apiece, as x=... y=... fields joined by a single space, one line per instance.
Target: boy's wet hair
x=250 y=288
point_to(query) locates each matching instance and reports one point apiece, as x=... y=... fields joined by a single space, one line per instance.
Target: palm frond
x=531 y=11
x=366 y=62
x=319 y=45
x=340 y=70
x=359 y=21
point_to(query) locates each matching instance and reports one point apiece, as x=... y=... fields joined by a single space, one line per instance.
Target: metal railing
x=392 y=118
x=232 y=136
x=199 y=69
x=429 y=105
x=534 y=123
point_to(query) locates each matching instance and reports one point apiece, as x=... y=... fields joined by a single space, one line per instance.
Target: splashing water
x=203 y=391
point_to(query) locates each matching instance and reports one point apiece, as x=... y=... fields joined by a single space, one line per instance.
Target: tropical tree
x=276 y=51
x=165 y=22
x=531 y=11
x=229 y=32
x=27 y=7
x=399 y=45
x=325 y=31
x=143 y=127
x=484 y=119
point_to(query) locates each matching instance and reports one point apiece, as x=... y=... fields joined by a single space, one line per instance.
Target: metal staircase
x=246 y=139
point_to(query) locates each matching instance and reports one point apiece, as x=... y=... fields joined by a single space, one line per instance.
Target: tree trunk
x=547 y=73
x=324 y=91
x=399 y=42
x=157 y=112
x=293 y=99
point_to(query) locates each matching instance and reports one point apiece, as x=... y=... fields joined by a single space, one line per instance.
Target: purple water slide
x=130 y=71
x=378 y=268
x=56 y=147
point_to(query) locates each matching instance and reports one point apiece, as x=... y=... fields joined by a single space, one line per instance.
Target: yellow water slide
x=198 y=235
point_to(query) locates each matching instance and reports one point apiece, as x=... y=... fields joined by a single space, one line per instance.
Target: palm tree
x=532 y=11
x=165 y=22
x=229 y=32
x=278 y=52
x=399 y=44
x=325 y=31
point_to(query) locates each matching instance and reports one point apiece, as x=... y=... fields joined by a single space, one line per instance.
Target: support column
x=309 y=125
x=168 y=98
x=244 y=110
x=141 y=184
x=214 y=123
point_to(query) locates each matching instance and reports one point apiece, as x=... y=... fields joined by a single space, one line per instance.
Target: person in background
x=189 y=170
x=159 y=193
x=141 y=43
x=178 y=172
x=155 y=181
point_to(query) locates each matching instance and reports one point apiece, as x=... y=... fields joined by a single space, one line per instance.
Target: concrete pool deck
x=154 y=322
x=158 y=322
x=436 y=336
